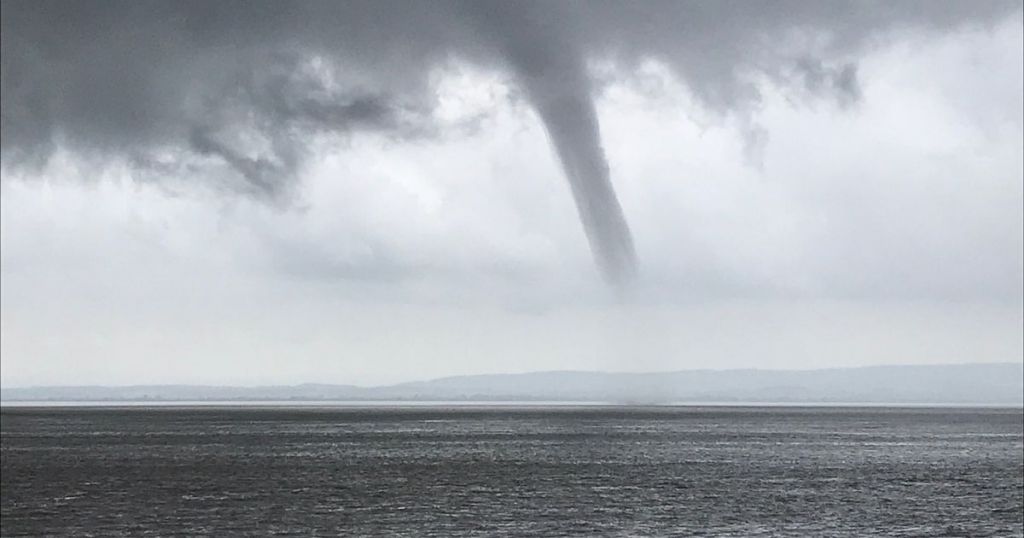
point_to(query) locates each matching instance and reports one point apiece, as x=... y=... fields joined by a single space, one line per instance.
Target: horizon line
x=532 y=372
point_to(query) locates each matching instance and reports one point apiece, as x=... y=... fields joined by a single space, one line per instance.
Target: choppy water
x=516 y=471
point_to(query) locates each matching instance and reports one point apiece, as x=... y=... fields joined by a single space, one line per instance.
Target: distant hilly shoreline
x=992 y=383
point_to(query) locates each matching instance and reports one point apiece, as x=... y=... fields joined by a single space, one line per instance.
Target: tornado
x=552 y=74
x=571 y=122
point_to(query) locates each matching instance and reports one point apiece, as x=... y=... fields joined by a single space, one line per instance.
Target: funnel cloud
x=553 y=75
x=572 y=125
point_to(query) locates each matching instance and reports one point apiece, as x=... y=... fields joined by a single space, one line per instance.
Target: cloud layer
x=375 y=192
x=233 y=92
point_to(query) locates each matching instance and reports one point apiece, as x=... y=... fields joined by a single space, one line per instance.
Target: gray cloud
x=245 y=84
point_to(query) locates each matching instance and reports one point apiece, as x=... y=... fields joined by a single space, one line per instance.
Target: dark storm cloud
x=120 y=76
x=245 y=84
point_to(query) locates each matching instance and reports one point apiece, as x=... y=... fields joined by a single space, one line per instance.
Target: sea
x=510 y=470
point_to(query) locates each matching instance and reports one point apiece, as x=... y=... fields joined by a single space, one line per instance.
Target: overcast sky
x=367 y=193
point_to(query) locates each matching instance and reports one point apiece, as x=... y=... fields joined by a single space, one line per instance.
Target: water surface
x=534 y=470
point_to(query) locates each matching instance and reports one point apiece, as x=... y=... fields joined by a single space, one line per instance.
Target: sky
x=376 y=192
